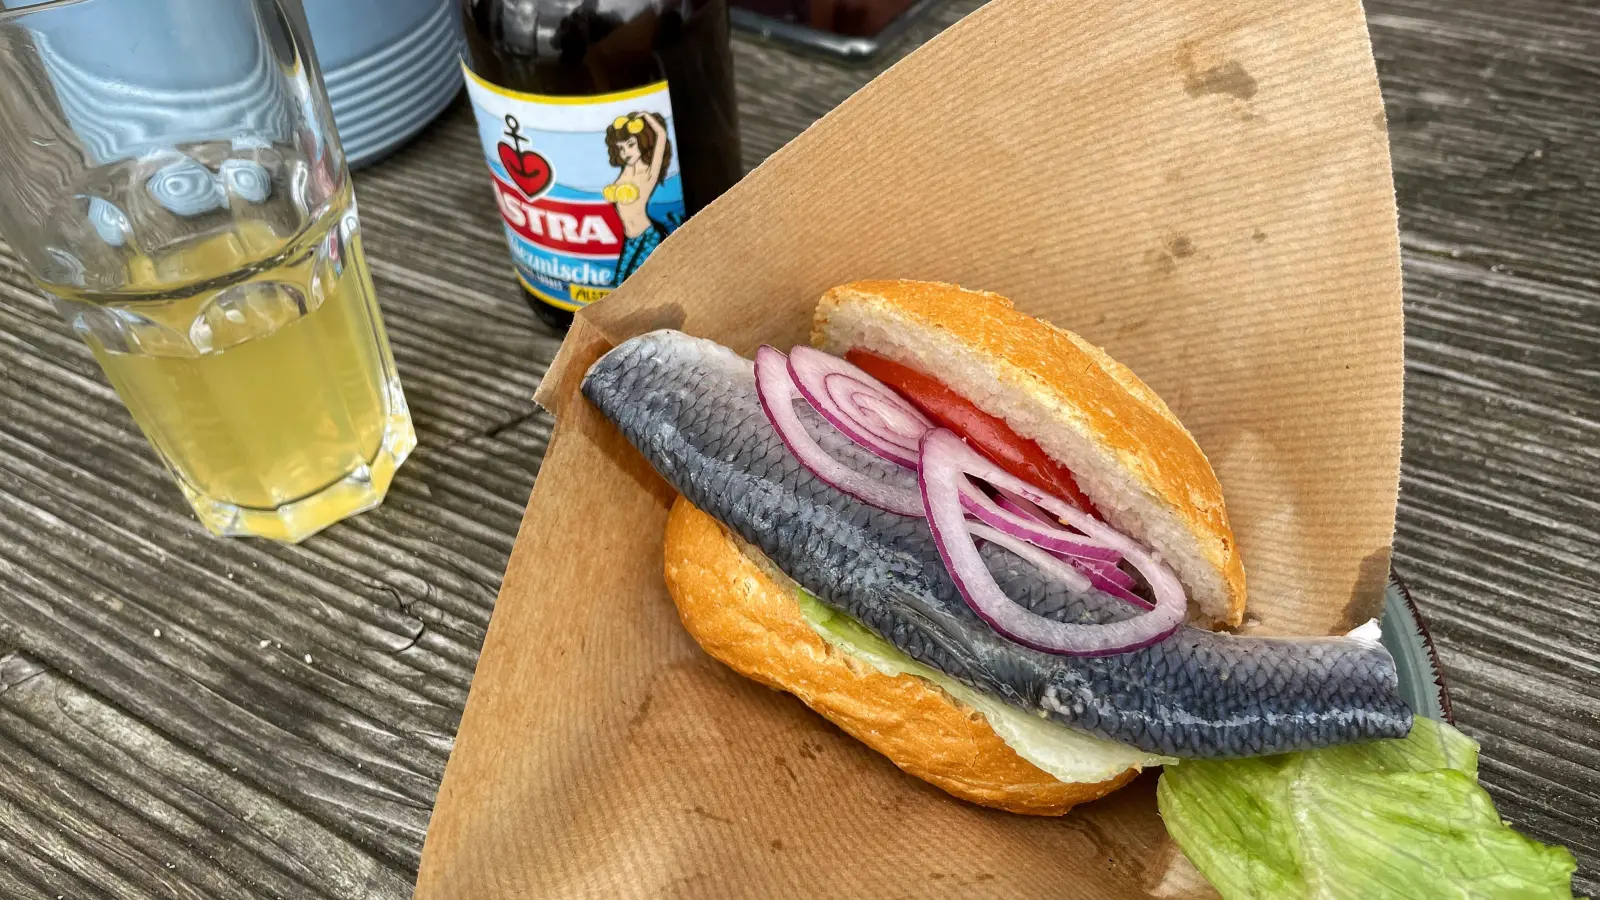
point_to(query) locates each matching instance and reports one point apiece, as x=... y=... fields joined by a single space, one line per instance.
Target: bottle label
x=588 y=186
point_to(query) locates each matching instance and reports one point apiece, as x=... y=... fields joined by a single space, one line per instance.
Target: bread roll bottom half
x=745 y=614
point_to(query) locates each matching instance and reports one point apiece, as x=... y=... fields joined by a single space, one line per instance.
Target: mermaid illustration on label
x=639 y=147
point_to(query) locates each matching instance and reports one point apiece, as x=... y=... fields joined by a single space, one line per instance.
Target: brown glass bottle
x=573 y=49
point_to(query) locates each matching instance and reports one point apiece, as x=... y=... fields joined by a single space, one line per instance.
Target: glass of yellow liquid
x=170 y=173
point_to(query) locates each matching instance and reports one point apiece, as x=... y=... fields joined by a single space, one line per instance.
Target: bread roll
x=1129 y=453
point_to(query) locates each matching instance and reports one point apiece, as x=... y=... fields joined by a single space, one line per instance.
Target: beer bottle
x=605 y=126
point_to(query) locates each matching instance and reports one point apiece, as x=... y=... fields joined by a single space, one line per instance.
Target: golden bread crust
x=748 y=619
x=1077 y=383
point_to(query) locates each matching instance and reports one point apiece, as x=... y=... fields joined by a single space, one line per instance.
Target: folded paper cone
x=1203 y=189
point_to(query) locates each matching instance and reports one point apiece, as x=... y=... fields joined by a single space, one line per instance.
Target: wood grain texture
x=214 y=761
x=1498 y=177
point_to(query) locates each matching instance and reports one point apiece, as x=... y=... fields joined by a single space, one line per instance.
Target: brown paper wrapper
x=1201 y=188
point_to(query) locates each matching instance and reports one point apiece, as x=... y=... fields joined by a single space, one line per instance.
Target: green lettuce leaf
x=1402 y=819
x=1069 y=755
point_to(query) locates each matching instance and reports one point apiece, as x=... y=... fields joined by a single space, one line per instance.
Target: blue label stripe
x=551 y=274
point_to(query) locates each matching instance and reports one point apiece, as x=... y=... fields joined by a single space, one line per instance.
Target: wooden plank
x=255 y=773
x=132 y=812
x=1497 y=181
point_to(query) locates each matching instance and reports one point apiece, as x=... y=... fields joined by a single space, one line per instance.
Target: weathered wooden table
x=188 y=717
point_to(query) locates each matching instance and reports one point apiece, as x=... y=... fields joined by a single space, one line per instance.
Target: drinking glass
x=170 y=173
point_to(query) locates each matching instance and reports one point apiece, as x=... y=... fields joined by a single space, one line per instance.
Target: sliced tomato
x=989 y=434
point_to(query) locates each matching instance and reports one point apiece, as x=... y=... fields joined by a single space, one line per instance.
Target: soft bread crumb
x=1129 y=453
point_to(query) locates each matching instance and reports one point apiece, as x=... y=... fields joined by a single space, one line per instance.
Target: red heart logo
x=528 y=169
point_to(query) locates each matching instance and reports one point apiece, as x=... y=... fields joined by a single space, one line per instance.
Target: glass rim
x=7 y=15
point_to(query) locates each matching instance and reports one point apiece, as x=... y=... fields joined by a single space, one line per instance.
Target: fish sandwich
x=977 y=544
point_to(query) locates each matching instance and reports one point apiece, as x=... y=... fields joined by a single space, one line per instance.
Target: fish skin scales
x=690 y=407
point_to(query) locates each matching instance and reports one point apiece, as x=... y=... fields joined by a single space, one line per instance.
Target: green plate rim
x=1405 y=635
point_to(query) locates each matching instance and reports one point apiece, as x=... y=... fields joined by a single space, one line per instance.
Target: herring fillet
x=690 y=406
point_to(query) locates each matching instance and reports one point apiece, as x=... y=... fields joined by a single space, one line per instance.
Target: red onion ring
x=1112 y=581
x=777 y=391
x=945 y=464
x=1012 y=502
x=1004 y=482
x=1051 y=537
x=1104 y=575
x=1080 y=574
x=865 y=409
x=1043 y=561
